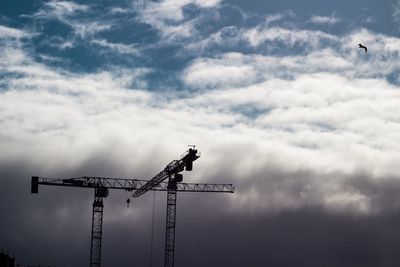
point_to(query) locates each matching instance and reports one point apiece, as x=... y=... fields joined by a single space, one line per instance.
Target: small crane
x=102 y=185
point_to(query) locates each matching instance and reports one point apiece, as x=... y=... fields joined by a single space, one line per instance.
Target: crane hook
x=127 y=202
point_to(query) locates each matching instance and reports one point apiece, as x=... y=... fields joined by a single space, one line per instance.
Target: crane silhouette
x=169 y=180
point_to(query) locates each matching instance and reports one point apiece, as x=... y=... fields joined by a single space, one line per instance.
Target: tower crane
x=102 y=185
x=172 y=173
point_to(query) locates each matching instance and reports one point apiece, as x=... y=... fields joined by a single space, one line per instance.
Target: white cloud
x=217 y=73
x=7 y=32
x=269 y=35
x=274 y=17
x=168 y=18
x=62 y=43
x=119 y=10
x=85 y=29
x=231 y=36
x=225 y=37
x=68 y=12
x=60 y=9
x=236 y=69
x=173 y=9
x=257 y=36
x=117 y=47
x=324 y=20
x=322 y=53
x=278 y=17
x=66 y=45
x=171 y=33
x=264 y=36
x=66 y=7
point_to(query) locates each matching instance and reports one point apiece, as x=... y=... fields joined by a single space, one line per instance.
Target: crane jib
x=173 y=168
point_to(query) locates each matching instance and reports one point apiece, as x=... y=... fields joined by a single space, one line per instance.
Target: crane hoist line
x=169 y=180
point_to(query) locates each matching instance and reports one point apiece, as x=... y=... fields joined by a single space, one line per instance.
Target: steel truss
x=170 y=225
x=131 y=184
x=101 y=186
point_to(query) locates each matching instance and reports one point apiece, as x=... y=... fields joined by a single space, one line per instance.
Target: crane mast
x=172 y=173
x=169 y=254
x=97 y=226
x=102 y=185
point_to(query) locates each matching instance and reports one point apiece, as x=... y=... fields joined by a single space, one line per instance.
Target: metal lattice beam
x=170 y=228
x=130 y=184
x=97 y=226
x=172 y=168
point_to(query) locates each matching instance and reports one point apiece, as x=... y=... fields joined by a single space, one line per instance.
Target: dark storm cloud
x=53 y=227
x=305 y=237
x=210 y=232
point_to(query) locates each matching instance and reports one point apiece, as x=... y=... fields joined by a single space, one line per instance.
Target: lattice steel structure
x=97 y=226
x=170 y=225
x=101 y=186
x=175 y=167
x=128 y=184
x=172 y=173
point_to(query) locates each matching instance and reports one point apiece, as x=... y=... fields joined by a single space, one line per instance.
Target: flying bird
x=361 y=46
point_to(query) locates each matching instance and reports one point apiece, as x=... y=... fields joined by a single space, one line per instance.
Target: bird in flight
x=364 y=47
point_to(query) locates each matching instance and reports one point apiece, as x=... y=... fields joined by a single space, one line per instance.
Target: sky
x=276 y=95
